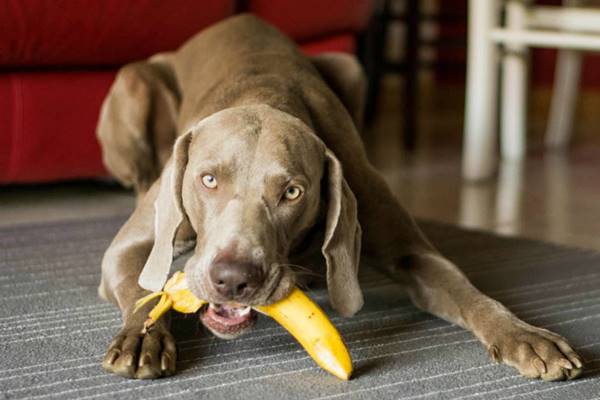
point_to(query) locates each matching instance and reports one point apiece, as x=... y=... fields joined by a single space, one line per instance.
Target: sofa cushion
x=99 y=32
x=48 y=123
x=338 y=43
x=310 y=19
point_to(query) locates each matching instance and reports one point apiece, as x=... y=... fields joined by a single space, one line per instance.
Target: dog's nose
x=236 y=280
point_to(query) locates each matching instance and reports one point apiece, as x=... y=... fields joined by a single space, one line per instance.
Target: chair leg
x=514 y=88
x=411 y=81
x=564 y=98
x=371 y=53
x=508 y=196
x=479 y=145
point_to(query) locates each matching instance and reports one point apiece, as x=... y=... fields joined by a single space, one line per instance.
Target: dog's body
x=237 y=142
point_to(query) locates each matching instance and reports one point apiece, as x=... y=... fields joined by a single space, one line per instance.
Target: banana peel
x=297 y=313
x=175 y=295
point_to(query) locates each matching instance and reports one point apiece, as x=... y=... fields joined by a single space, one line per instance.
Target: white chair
x=569 y=28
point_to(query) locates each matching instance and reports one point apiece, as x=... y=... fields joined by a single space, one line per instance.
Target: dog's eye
x=292 y=193
x=209 y=181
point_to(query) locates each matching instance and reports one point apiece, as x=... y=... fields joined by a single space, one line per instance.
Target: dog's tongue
x=227 y=318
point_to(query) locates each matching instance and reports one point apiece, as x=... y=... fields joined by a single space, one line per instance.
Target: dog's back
x=241 y=61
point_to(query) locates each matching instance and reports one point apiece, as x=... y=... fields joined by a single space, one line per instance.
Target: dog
x=247 y=151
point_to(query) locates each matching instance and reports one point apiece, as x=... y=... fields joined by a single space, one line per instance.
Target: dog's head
x=253 y=182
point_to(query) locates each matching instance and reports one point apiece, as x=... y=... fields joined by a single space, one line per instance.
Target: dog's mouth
x=228 y=320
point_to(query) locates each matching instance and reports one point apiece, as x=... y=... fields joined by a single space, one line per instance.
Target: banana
x=305 y=321
x=175 y=295
x=297 y=313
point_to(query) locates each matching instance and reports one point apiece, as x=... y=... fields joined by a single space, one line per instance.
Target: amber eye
x=209 y=181
x=292 y=193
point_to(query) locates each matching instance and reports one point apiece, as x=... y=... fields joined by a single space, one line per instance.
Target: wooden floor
x=551 y=196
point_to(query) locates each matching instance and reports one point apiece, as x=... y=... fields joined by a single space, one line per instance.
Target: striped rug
x=54 y=329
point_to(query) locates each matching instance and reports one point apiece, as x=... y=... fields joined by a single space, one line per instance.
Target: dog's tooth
x=244 y=311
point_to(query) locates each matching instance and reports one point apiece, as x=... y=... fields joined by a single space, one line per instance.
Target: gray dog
x=240 y=146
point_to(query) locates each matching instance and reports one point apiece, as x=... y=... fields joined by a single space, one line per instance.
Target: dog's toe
x=537 y=353
x=142 y=356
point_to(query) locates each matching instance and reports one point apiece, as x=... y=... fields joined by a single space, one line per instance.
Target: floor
x=550 y=196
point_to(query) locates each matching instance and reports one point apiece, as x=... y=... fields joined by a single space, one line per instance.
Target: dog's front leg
x=436 y=285
x=131 y=353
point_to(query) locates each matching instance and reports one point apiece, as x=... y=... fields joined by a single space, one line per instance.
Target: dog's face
x=251 y=189
x=253 y=184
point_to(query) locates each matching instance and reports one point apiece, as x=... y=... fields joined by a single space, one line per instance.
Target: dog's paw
x=537 y=353
x=143 y=356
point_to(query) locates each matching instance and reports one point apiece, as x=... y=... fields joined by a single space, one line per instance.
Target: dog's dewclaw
x=310 y=326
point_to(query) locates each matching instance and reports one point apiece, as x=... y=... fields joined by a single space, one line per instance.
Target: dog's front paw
x=536 y=353
x=143 y=356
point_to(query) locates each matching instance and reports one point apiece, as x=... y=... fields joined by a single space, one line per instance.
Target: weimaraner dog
x=247 y=151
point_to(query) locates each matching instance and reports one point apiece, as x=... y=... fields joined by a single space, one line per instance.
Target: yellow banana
x=297 y=313
x=305 y=320
x=175 y=295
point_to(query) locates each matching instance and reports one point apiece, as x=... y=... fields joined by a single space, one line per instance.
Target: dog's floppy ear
x=341 y=247
x=169 y=214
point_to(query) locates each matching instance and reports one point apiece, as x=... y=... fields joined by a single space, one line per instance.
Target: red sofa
x=59 y=57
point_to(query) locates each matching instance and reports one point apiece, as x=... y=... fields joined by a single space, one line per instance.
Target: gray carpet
x=54 y=329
